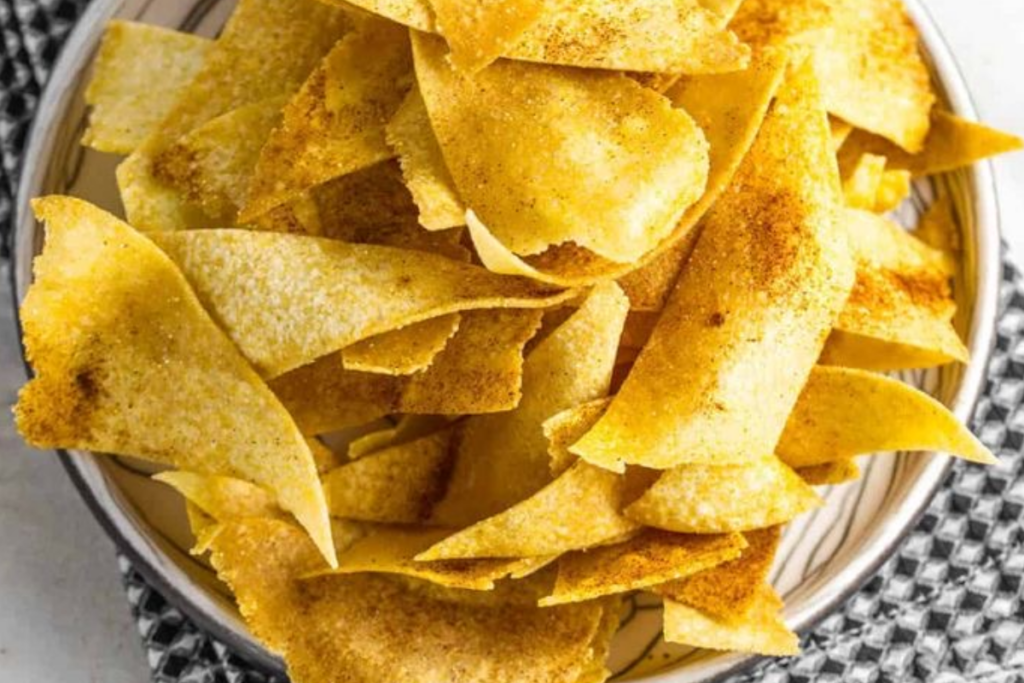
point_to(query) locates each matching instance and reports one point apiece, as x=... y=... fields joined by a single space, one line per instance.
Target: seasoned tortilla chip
x=335 y=124
x=751 y=311
x=410 y=135
x=865 y=53
x=843 y=413
x=267 y=49
x=710 y=499
x=546 y=155
x=398 y=485
x=137 y=77
x=503 y=458
x=550 y=522
x=730 y=590
x=402 y=351
x=648 y=559
x=761 y=631
x=415 y=14
x=661 y=36
x=222 y=498
x=862 y=181
x=479 y=31
x=567 y=427
x=370 y=627
x=128 y=362
x=831 y=473
x=287 y=300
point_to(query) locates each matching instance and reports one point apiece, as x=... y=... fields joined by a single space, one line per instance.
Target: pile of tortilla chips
x=457 y=321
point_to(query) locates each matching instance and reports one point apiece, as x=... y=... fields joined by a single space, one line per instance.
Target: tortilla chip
x=648 y=559
x=411 y=136
x=830 y=473
x=710 y=499
x=567 y=427
x=479 y=31
x=938 y=229
x=503 y=458
x=403 y=351
x=287 y=300
x=398 y=485
x=952 y=143
x=267 y=49
x=415 y=14
x=301 y=216
x=841 y=130
x=661 y=36
x=655 y=154
x=892 y=190
x=550 y=522
x=729 y=591
x=751 y=311
x=762 y=631
x=137 y=77
x=862 y=181
x=222 y=498
x=128 y=362
x=372 y=627
x=866 y=56
x=843 y=413
x=204 y=528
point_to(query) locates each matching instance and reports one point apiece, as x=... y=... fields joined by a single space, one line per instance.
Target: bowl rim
x=202 y=610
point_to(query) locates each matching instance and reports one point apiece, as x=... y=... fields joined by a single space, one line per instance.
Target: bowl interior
x=824 y=556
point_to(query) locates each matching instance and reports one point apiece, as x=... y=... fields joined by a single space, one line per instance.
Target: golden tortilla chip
x=372 y=627
x=892 y=190
x=503 y=458
x=567 y=427
x=831 y=473
x=398 y=485
x=222 y=498
x=287 y=300
x=939 y=230
x=843 y=413
x=402 y=351
x=751 y=311
x=479 y=31
x=335 y=124
x=861 y=182
x=841 y=130
x=730 y=590
x=137 y=77
x=523 y=143
x=416 y=14
x=648 y=559
x=204 y=528
x=128 y=362
x=550 y=522
x=865 y=53
x=762 y=631
x=411 y=136
x=712 y=499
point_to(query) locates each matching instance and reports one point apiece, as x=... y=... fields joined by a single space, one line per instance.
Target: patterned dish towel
x=947 y=607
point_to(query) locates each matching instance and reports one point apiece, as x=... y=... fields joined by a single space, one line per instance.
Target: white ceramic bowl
x=824 y=558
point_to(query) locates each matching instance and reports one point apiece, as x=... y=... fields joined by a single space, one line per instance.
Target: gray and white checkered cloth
x=948 y=606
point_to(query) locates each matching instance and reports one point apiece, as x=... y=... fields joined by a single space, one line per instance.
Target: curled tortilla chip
x=137 y=77
x=866 y=56
x=761 y=631
x=831 y=473
x=650 y=558
x=567 y=427
x=222 y=498
x=550 y=522
x=503 y=458
x=479 y=31
x=952 y=143
x=377 y=627
x=650 y=159
x=708 y=499
x=729 y=591
x=403 y=351
x=751 y=311
x=843 y=413
x=398 y=485
x=128 y=362
x=335 y=124
x=287 y=300
x=861 y=182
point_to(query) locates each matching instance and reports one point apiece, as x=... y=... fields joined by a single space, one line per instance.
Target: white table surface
x=63 y=616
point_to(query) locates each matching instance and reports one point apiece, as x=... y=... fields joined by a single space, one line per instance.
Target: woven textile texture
x=947 y=607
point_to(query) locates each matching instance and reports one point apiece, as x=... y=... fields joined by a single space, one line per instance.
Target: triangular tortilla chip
x=335 y=124
x=648 y=559
x=831 y=473
x=843 y=413
x=370 y=627
x=550 y=522
x=478 y=31
x=523 y=143
x=137 y=77
x=398 y=485
x=729 y=591
x=751 y=311
x=403 y=351
x=222 y=498
x=708 y=499
x=862 y=180
x=503 y=458
x=893 y=190
x=287 y=300
x=866 y=55
x=762 y=631
x=567 y=427
x=128 y=362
